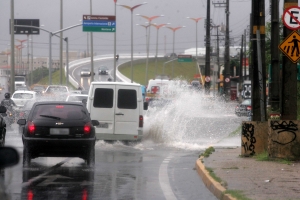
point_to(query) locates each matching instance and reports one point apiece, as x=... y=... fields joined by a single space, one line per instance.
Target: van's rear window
x=103 y=98
x=127 y=99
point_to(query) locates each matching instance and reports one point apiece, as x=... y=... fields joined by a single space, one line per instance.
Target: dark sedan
x=244 y=108
x=58 y=129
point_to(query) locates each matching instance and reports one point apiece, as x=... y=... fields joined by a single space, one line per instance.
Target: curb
x=214 y=187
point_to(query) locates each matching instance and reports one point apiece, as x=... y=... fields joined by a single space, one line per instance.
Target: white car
x=85 y=72
x=20 y=97
x=76 y=97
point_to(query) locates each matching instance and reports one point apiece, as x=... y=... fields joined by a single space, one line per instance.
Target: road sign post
x=290 y=46
x=184 y=58
x=291 y=17
x=99 y=23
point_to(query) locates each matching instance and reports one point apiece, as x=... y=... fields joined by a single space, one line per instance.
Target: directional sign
x=99 y=23
x=26 y=30
x=290 y=46
x=291 y=17
x=184 y=58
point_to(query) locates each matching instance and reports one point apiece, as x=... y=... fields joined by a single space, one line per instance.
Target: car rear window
x=65 y=111
x=127 y=99
x=23 y=96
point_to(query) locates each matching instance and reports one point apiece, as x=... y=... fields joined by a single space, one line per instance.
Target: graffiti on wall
x=248 y=139
x=283 y=128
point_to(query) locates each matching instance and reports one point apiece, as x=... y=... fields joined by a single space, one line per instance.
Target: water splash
x=191 y=120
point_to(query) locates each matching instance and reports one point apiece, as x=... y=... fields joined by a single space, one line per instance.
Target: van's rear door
x=127 y=110
x=103 y=108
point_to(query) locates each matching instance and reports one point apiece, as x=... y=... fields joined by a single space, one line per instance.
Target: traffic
x=81 y=129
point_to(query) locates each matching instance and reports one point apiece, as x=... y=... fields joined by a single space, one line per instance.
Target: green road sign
x=184 y=58
x=98 y=29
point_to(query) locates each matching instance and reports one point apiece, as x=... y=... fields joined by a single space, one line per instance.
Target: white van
x=119 y=108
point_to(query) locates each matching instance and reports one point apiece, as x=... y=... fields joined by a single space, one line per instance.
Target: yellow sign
x=290 y=46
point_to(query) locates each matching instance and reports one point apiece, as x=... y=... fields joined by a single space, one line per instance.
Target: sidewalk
x=257 y=180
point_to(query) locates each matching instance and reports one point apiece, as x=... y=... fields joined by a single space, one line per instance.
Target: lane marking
x=30 y=181
x=164 y=179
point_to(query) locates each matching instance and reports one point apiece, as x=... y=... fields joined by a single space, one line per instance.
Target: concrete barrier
x=254 y=138
x=284 y=139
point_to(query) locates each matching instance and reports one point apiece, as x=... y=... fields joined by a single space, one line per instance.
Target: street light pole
x=196 y=20
x=50 y=43
x=174 y=30
x=147 y=45
x=92 y=49
x=157 y=29
x=115 y=46
x=148 y=41
x=131 y=9
x=12 y=47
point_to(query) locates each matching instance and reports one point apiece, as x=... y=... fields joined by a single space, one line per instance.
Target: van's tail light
x=141 y=121
x=87 y=128
x=31 y=128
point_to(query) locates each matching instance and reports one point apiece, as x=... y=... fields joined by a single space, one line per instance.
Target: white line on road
x=164 y=179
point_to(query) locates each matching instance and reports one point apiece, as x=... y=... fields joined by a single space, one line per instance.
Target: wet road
x=159 y=167
x=138 y=171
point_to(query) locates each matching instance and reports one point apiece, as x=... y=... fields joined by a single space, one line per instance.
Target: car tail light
x=30 y=195
x=31 y=128
x=84 y=194
x=248 y=108
x=141 y=121
x=87 y=128
x=59 y=106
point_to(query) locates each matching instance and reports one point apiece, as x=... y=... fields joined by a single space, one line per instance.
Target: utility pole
x=244 y=54
x=241 y=68
x=227 y=53
x=289 y=78
x=207 y=53
x=274 y=86
x=258 y=81
x=61 y=44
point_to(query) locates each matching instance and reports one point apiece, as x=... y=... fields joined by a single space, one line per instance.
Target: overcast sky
x=174 y=11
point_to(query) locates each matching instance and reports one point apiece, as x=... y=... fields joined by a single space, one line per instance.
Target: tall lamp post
x=196 y=20
x=132 y=9
x=21 y=56
x=148 y=41
x=174 y=30
x=157 y=26
x=50 y=43
x=147 y=44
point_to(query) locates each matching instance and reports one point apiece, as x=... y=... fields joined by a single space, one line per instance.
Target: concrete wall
x=254 y=138
x=280 y=138
x=284 y=139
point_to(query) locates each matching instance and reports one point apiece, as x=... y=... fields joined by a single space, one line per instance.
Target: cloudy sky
x=175 y=12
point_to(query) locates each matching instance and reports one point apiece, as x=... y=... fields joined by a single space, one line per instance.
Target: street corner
x=215 y=187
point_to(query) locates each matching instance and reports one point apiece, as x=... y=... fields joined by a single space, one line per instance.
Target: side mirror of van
x=146 y=105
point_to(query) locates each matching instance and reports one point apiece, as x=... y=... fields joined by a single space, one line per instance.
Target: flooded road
x=159 y=167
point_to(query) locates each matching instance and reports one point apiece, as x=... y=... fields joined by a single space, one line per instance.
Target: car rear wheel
x=26 y=156
x=90 y=157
